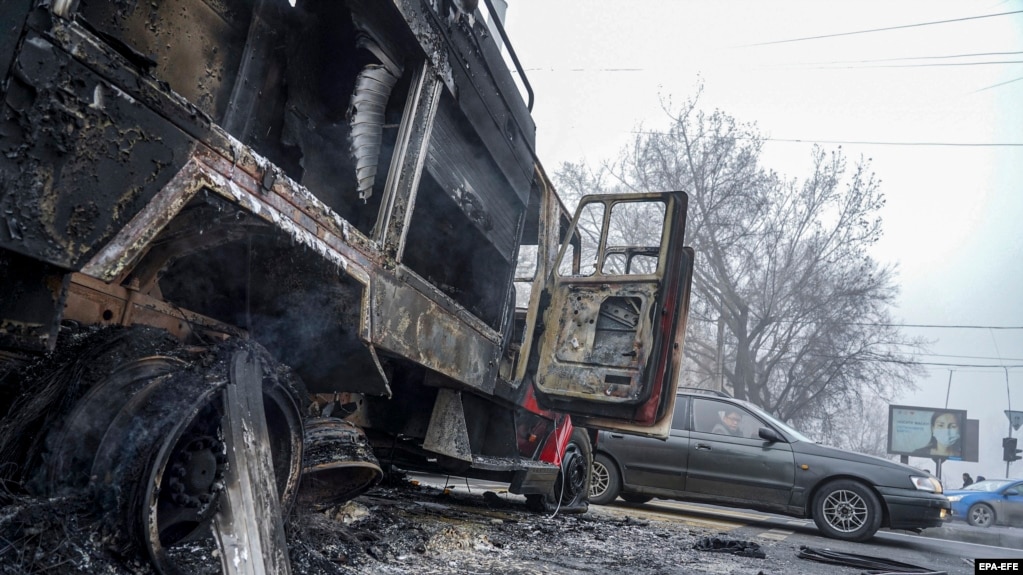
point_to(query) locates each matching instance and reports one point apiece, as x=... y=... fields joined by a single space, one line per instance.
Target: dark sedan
x=729 y=452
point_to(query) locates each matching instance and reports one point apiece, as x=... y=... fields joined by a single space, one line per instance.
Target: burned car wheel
x=604 y=480
x=147 y=439
x=847 y=510
x=980 y=515
x=573 y=484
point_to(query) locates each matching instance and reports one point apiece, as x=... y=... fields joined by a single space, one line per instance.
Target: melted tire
x=571 y=489
x=154 y=454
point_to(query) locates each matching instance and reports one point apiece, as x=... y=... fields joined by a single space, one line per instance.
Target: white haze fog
x=930 y=90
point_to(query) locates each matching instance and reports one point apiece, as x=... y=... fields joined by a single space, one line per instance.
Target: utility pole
x=721 y=354
x=1012 y=424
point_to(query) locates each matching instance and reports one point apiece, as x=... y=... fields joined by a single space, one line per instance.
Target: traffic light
x=1009 y=451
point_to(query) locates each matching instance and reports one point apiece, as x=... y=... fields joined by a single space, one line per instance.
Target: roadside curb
x=1001 y=537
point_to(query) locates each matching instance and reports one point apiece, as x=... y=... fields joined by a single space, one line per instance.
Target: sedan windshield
x=778 y=423
x=989 y=485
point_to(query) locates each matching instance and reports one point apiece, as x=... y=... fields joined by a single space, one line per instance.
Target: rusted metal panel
x=470 y=63
x=290 y=207
x=609 y=330
x=407 y=163
x=89 y=157
x=135 y=237
x=249 y=526
x=448 y=434
x=408 y=324
x=93 y=302
x=647 y=412
x=193 y=46
x=488 y=200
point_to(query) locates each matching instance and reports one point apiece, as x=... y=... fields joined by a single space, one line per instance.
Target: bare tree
x=789 y=310
x=863 y=429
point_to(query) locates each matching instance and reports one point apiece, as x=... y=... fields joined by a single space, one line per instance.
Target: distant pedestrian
x=967 y=480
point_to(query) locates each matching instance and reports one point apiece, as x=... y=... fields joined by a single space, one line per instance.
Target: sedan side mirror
x=768 y=434
x=1011 y=491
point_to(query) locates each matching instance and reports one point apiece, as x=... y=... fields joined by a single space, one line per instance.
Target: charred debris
x=253 y=254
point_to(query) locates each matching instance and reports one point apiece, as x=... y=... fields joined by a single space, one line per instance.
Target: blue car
x=989 y=502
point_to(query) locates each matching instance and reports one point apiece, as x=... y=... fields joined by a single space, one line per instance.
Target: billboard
x=927 y=432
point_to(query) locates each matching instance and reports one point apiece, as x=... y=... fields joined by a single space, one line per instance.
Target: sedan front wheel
x=847 y=510
x=604 y=480
x=980 y=515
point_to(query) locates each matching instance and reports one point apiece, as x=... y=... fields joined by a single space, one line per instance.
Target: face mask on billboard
x=946 y=436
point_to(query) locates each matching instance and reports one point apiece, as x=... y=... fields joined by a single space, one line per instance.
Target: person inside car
x=729 y=424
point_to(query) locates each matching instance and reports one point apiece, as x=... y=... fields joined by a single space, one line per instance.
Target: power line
x=944 y=57
x=832 y=65
x=999 y=84
x=859 y=142
x=876 y=324
x=946 y=365
x=883 y=29
x=939 y=326
x=931 y=144
x=937 y=65
x=969 y=356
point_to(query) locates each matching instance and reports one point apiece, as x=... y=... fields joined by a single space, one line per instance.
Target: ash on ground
x=396 y=528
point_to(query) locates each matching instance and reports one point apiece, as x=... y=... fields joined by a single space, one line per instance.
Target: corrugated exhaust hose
x=874 y=565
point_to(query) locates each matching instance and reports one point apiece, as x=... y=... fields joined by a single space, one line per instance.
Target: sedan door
x=1009 y=505
x=652 y=463
x=734 y=464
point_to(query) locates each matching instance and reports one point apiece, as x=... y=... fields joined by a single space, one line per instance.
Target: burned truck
x=256 y=252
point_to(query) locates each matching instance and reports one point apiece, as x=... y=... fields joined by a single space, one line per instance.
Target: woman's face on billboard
x=946 y=428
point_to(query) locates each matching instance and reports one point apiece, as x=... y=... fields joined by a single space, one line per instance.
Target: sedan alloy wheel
x=848 y=510
x=980 y=515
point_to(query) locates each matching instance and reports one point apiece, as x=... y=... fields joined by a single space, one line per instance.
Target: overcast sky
x=931 y=91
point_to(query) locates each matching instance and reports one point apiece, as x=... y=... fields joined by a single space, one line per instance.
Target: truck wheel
x=148 y=438
x=980 y=515
x=573 y=484
x=847 y=510
x=605 y=482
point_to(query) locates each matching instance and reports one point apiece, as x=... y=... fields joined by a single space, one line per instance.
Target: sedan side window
x=678 y=419
x=722 y=418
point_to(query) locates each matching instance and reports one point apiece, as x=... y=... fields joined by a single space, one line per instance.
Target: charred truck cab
x=252 y=251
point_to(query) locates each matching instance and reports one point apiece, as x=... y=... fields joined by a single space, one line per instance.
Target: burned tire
x=847 y=510
x=980 y=515
x=605 y=481
x=148 y=441
x=572 y=487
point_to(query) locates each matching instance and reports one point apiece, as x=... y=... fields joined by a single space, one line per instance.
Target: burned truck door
x=610 y=345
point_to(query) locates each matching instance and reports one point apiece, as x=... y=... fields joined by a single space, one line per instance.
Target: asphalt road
x=951 y=549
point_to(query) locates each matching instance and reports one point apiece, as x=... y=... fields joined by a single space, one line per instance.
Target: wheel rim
x=600 y=479
x=160 y=458
x=845 y=511
x=77 y=441
x=572 y=484
x=980 y=515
